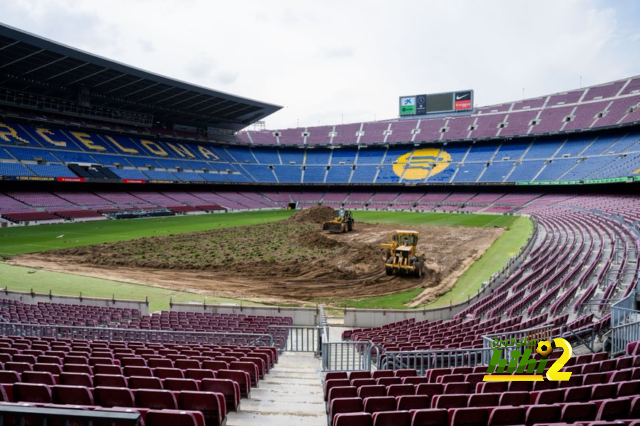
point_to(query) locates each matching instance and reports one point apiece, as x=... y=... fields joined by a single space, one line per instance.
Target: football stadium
x=168 y=258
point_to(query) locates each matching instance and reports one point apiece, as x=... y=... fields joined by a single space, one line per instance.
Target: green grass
x=392 y=301
x=26 y=279
x=435 y=219
x=509 y=244
x=21 y=240
x=31 y=239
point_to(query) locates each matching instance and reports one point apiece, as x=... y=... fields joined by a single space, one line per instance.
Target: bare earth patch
x=287 y=261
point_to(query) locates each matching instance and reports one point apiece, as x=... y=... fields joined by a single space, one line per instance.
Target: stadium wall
x=34 y=298
x=301 y=316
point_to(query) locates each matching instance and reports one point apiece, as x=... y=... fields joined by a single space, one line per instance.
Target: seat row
x=352 y=413
x=212 y=405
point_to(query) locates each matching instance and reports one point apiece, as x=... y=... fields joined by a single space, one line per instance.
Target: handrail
x=136 y=335
x=66 y=415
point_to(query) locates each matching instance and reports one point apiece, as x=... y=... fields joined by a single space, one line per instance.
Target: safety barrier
x=135 y=335
x=27 y=414
x=294 y=338
x=625 y=323
x=438 y=358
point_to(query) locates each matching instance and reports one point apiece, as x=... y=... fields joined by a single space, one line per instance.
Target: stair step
x=291 y=394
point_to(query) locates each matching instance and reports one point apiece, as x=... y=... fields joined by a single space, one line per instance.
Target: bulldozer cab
x=405 y=238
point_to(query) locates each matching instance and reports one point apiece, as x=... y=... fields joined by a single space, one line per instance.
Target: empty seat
x=382 y=373
x=48 y=368
x=414 y=380
x=32 y=392
x=520 y=386
x=168 y=373
x=110 y=380
x=388 y=381
x=542 y=414
x=484 y=400
x=475 y=416
x=429 y=389
x=353 y=419
x=375 y=390
x=449 y=401
x=159 y=362
x=360 y=375
x=173 y=418
x=18 y=366
x=76 y=379
x=133 y=362
x=507 y=416
x=628 y=388
x=344 y=405
x=379 y=403
x=107 y=369
x=412 y=402
x=113 y=397
x=604 y=391
x=399 y=390
x=199 y=374
x=578 y=411
x=391 y=418
x=328 y=384
x=183 y=364
x=139 y=371
x=249 y=368
x=514 y=398
x=77 y=368
x=180 y=385
x=614 y=409
x=551 y=396
x=229 y=388
x=341 y=392
x=429 y=417
x=210 y=404
x=240 y=377
x=577 y=394
x=363 y=382
x=334 y=375
x=156 y=399
x=457 y=387
x=42 y=377
x=492 y=387
x=72 y=395
x=406 y=373
x=140 y=382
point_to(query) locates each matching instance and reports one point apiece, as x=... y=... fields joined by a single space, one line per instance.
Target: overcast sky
x=323 y=60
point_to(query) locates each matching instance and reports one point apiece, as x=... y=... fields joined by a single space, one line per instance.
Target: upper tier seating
x=69 y=154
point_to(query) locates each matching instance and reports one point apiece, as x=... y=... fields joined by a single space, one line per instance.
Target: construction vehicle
x=400 y=254
x=343 y=222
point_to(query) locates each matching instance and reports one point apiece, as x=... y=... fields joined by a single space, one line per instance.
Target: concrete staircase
x=291 y=394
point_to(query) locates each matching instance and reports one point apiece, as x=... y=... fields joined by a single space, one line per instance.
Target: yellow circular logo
x=416 y=165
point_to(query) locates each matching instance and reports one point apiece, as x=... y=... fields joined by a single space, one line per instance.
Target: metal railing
x=135 y=335
x=350 y=356
x=625 y=323
x=437 y=358
x=293 y=338
x=27 y=414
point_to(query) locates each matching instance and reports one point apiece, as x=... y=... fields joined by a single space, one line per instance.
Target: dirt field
x=287 y=261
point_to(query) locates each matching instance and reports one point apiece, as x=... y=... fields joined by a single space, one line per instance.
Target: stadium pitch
x=41 y=239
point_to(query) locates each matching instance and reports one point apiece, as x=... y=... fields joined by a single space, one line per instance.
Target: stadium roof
x=32 y=64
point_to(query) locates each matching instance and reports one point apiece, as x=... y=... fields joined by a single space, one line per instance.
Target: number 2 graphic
x=554 y=373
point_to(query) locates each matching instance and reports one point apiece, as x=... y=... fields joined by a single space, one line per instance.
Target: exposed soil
x=286 y=261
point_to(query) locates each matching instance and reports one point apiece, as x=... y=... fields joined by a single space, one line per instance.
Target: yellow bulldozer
x=400 y=254
x=343 y=222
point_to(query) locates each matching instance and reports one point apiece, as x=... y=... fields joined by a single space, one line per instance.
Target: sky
x=333 y=61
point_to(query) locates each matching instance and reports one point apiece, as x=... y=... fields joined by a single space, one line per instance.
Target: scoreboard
x=437 y=103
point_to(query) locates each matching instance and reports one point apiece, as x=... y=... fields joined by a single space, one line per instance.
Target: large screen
x=436 y=103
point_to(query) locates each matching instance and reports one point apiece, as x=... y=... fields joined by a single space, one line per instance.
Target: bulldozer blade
x=332 y=227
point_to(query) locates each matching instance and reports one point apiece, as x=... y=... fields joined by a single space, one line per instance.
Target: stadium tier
x=30 y=152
